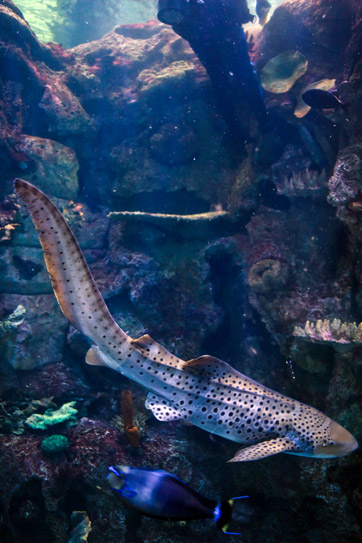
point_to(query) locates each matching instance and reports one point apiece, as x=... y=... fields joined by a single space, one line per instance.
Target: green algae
x=54 y=444
x=65 y=414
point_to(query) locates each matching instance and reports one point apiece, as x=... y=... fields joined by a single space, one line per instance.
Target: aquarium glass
x=180 y=271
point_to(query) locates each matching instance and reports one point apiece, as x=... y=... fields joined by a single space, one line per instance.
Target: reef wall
x=230 y=250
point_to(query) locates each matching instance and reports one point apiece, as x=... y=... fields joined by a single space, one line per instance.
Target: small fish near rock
x=321 y=99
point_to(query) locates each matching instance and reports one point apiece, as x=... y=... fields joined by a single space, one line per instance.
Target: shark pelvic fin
x=95 y=357
x=263 y=449
x=163 y=409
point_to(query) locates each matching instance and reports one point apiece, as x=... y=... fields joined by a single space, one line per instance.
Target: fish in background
x=161 y=495
x=322 y=99
x=262 y=9
x=205 y=391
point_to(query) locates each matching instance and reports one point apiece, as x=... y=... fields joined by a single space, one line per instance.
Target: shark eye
x=332 y=442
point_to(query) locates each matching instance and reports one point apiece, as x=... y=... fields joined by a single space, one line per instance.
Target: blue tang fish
x=161 y=495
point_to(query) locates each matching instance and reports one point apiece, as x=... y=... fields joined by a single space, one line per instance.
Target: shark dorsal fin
x=222 y=373
x=143 y=342
x=207 y=364
x=149 y=348
x=263 y=449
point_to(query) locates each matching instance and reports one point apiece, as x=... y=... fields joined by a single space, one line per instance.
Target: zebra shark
x=205 y=391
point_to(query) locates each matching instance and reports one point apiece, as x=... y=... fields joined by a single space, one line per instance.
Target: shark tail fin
x=263 y=449
x=74 y=287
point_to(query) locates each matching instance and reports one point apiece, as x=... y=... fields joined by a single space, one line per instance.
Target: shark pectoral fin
x=263 y=449
x=163 y=409
x=95 y=357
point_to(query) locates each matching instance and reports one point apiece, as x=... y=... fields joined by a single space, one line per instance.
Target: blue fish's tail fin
x=223 y=513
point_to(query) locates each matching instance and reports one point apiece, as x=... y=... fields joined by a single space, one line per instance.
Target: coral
x=304 y=183
x=54 y=445
x=281 y=72
x=197 y=226
x=12 y=321
x=81 y=527
x=345 y=183
x=14 y=413
x=127 y=411
x=333 y=332
x=140 y=420
x=267 y=275
x=65 y=414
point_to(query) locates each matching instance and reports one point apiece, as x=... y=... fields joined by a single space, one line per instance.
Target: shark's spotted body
x=205 y=391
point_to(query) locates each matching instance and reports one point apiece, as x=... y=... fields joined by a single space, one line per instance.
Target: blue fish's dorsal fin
x=163 y=410
x=263 y=449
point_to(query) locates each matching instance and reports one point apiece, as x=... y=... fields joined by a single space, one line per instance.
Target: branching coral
x=327 y=331
x=304 y=183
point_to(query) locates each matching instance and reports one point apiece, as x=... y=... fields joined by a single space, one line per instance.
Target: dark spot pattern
x=205 y=391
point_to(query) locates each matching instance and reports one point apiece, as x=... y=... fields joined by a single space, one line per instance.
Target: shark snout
x=340 y=442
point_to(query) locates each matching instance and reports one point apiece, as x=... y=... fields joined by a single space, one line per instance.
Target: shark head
x=338 y=442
